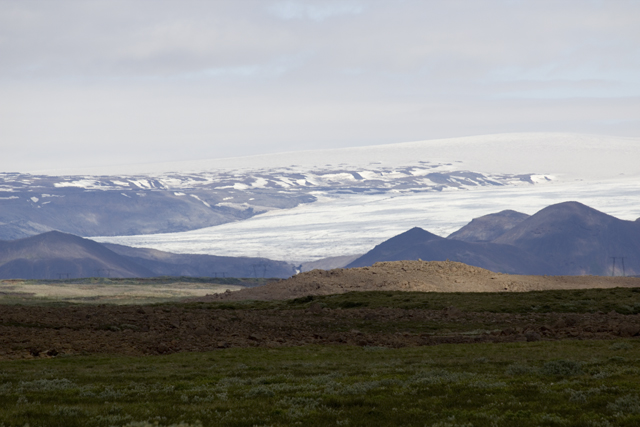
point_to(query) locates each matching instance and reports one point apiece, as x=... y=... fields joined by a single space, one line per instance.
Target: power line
x=613 y=265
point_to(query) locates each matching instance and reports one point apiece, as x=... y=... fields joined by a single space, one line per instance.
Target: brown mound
x=420 y=276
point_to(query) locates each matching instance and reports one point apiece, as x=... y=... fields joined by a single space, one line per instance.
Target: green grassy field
x=558 y=383
x=542 y=383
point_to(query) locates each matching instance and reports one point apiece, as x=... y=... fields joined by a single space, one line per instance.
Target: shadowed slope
x=54 y=255
x=420 y=244
x=577 y=239
x=489 y=227
x=170 y=264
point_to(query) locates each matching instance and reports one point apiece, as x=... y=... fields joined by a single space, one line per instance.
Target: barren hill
x=421 y=276
x=416 y=244
x=54 y=255
x=577 y=239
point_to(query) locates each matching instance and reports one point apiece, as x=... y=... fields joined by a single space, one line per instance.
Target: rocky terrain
x=30 y=332
x=418 y=276
x=214 y=322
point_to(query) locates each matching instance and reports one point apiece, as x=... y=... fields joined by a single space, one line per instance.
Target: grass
x=542 y=383
x=621 y=300
x=546 y=383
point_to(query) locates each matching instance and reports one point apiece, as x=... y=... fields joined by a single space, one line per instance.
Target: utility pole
x=613 y=266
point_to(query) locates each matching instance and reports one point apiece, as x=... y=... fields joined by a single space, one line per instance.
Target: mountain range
x=563 y=239
x=567 y=238
x=179 y=197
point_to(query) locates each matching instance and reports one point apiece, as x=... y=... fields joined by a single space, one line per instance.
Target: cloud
x=315 y=11
x=100 y=78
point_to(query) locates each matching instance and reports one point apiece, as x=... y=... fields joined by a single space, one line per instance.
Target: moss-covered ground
x=574 y=382
x=558 y=383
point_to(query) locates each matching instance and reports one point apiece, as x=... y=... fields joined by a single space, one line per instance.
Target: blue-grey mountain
x=567 y=238
x=56 y=255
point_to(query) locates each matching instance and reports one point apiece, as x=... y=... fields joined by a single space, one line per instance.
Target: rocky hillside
x=418 y=276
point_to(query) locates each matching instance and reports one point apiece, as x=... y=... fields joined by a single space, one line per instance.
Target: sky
x=112 y=82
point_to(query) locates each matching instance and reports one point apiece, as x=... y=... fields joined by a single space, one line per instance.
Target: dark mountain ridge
x=489 y=227
x=54 y=255
x=57 y=255
x=567 y=238
x=198 y=265
x=578 y=239
x=420 y=244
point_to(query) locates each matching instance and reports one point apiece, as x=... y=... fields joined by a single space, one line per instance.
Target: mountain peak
x=576 y=238
x=489 y=227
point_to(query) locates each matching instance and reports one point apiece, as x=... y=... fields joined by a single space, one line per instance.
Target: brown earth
x=418 y=276
x=39 y=331
x=36 y=332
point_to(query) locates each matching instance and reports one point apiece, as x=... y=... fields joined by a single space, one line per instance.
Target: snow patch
x=259 y=183
x=198 y=198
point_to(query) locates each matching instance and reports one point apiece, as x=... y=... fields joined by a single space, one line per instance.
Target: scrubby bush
x=562 y=368
x=629 y=404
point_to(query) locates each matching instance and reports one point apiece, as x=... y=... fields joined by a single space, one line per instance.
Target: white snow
x=259 y=183
x=356 y=223
x=141 y=184
x=525 y=172
x=88 y=184
x=198 y=198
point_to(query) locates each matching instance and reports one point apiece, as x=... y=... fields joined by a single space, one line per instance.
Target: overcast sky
x=115 y=82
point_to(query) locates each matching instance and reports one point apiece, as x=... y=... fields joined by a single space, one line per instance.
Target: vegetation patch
x=619 y=300
x=552 y=383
